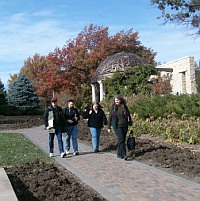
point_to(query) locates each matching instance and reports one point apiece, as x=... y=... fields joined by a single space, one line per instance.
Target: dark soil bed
x=29 y=180
x=48 y=182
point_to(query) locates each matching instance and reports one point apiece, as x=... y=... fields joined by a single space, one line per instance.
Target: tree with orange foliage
x=129 y=42
x=32 y=69
x=80 y=57
x=70 y=68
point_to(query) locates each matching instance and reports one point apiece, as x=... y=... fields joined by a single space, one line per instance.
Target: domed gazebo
x=118 y=62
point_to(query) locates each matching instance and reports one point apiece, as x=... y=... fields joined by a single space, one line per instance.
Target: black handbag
x=131 y=141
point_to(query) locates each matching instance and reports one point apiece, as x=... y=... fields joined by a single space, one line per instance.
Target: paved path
x=6 y=189
x=116 y=179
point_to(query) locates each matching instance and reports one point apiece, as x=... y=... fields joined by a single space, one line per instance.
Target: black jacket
x=119 y=116
x=58 y=117
x=95 y=120
x=70 y=114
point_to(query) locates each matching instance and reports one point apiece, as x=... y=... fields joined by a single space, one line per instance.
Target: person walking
x=72 y=117
x=120 y=119
x=54 y=121
x=96 y=120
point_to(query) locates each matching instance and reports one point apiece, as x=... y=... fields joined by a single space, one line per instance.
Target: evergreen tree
x=21 y=94
x=2 y=93
x=1 y=86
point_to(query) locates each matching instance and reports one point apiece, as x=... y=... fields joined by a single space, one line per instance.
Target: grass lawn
x=15 y=149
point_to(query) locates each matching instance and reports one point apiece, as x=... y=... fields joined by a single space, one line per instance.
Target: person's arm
x=86 y=114
x=109 y=120
x=105 y=121
x=77 y=115
x=130 y=122
x=62 y=117
x=64 y=122
x=64 y=112
x=45 y=118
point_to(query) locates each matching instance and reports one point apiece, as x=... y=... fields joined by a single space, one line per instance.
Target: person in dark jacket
x=96 y=120
x=54 y=121
x=72 y=117
x=120 y=119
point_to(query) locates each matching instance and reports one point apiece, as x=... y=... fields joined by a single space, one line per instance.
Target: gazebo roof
x=117 y=62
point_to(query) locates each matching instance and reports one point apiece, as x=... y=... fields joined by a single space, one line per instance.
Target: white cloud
x=171 y=44
x=43 y=13
x=18 y=17
x=21 y=37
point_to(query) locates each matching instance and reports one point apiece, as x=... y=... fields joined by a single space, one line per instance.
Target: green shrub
x=162 y=106
x=175 y=118
x=9 y=110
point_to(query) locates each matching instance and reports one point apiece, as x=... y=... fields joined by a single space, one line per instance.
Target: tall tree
x=69 y=69
x=21 y=94
x=37 y=68
x=77 y=61
x=79 y=58
x=32 y=66
x=128 y=41
x=2 y=93
x=185 y=12
x=1 y=86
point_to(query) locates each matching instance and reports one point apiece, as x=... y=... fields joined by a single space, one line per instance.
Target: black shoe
x=63 y=154
x=120 y=157
x=126 y=158
x=76 y=153
x=96 y=151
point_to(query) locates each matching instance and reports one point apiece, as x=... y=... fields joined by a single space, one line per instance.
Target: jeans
x=121 y=135
x=72 y=131
x=58 y=133
x=95 y=132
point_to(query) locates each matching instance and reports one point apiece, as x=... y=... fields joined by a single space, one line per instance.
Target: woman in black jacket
x=96 y=119
x=120 y=119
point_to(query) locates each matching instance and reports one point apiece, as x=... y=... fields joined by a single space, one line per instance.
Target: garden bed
x=178 y=159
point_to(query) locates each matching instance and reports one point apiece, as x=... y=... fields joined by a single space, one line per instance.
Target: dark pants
x=121 y=135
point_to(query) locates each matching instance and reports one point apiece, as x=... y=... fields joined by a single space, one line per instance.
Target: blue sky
x=39 y=26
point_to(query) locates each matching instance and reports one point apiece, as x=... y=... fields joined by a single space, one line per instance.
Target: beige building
x=182 y=72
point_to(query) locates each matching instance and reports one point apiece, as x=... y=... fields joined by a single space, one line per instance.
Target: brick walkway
x=116 y=179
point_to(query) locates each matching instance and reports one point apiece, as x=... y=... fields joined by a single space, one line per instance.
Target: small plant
x=171 y=128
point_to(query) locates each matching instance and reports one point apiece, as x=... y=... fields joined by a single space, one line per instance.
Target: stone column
x=101 y=89
x=93 y=93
